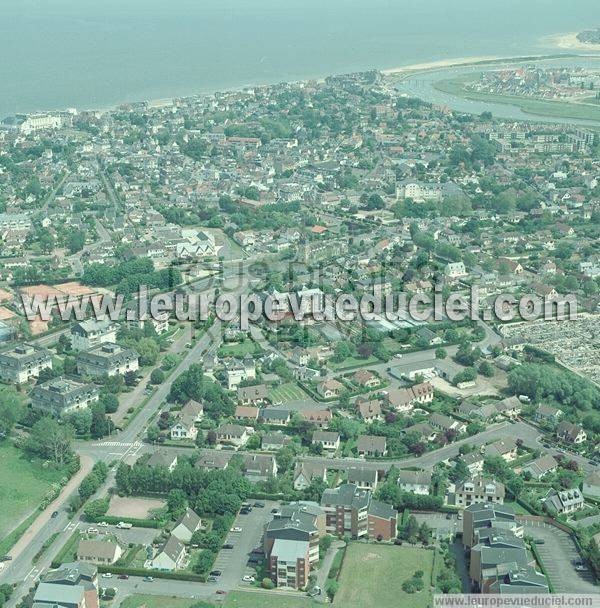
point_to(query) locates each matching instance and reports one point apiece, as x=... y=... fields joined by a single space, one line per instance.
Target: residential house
x=237 y=371
x=252 y=395
x=320 y=418
x=275 y=416
x=365 y=379
x=506 y=448
x=474 y=461
x=363 y=479
x=548 y=414
x=232 y=434
x=477 y=490
x=329 y=389
x=275 y=441
x=162 y=458
x=100 y=552
x=541 y=466
x=259 y=467
x=570 y=433
x=329 y=440
x=417 y=482
x=446 y=423
x=371 y=445
x=187 y=418
x=424 y=430
x=510 y=407
x=186 y=525
x=591 y=485
x=171 y=556
x=307 y=472
x=370 y=410
x=563 y=501
x=246 y=413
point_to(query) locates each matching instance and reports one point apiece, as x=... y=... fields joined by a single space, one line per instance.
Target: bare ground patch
x=138 y=508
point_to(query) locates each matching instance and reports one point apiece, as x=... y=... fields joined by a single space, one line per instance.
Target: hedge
x=178 y=576
x=538 y=559
x=59 y=558
x=139 y=523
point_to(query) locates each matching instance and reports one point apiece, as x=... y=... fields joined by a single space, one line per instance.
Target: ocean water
x=97 y=53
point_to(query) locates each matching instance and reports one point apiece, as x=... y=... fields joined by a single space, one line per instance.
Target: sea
x=95 y=54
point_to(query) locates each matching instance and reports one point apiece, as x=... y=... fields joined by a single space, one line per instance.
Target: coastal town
x=297 y=463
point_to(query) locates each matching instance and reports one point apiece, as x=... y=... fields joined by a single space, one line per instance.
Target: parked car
x=248 y=578
x=314 y=592
x=6 y=558
x=215 y=573
x=236 y=529
x=123 y=576
x=539 y=541
x=149 y=579
x=259 y=505
x=103 y=524
x=54 y=514
x=107 y=575
x=221 y=592
x=228 y=546
x=212 y=579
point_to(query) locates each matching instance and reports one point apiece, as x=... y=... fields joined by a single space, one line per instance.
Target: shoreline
x=569 y=41
x=560 y=41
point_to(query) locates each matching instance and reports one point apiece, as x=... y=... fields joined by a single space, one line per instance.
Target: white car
x=248 y=578
x=107 y=575
x=103 y=524
x=92 y=530
x=398 y=355
x=236 y=529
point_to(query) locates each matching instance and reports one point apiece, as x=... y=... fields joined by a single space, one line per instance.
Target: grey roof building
x=107 y=359
x=63 y=396
x=23 y=362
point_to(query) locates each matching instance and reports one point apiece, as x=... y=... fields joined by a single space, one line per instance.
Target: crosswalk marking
x=118 y=444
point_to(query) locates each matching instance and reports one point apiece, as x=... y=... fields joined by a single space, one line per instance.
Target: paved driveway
x=558 y=554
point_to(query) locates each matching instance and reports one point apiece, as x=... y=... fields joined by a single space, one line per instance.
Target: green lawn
x=235 y=599
x=542 y=107
x=23 y=484
x=372 y=576
x=289 y=391
x=353 y=362
x=239 y=349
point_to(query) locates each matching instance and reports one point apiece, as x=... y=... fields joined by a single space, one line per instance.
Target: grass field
x=372 y=576
x=541 y=107
x=23 y=484
x=353 y=362
x=286 y=392
x=235 y=599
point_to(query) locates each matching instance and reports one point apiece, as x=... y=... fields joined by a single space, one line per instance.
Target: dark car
x=6 y=558
x=259 y=505
x=221 y=592
x=215 y=573
x=539 y=541
x=228 y=546
x=275 y=510
x=123 y=576
x=212 y=579
x=55 y=514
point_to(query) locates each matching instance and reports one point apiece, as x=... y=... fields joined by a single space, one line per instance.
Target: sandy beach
x=570 y=42
x=443 y=63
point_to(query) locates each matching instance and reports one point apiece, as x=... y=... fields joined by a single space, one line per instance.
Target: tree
x=52 y=440
x=177 y=503
x=440 y=353
x=411 y=530
x=11 y=409
x=486 y=369
x=157 y=376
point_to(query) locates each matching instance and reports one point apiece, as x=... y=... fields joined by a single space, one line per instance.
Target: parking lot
x=559 y=554
x=440 y=524
x=233 y=563
x=137 y=536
